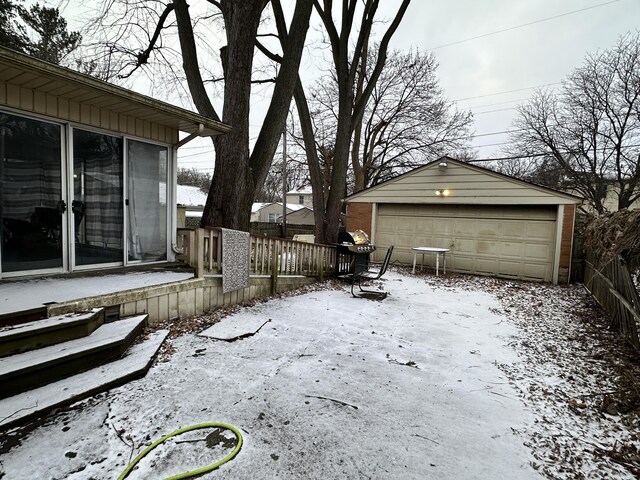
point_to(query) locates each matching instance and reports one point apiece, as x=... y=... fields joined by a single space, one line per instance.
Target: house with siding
x=302 y=195
x=87 y=169
x=491 y=223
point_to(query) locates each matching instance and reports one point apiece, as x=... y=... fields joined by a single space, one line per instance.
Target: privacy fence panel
x=612 y=286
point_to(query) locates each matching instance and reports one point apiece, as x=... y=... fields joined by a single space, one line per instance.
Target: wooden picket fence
x=612 y=286
x=202 y=249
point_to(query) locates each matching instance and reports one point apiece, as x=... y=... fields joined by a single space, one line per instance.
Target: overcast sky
x=491 y=53
x=476 y=71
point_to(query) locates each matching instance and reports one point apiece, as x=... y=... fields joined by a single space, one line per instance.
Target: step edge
x=31 y=329
x=116 y=340
x=24 y=415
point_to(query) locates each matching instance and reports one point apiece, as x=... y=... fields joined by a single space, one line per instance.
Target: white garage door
x=507 y=241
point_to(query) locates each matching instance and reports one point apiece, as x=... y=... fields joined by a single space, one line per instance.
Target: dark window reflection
x=31 y=204
x=97 y=198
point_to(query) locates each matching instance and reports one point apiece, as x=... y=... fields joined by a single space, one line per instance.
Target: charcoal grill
x=353 y=250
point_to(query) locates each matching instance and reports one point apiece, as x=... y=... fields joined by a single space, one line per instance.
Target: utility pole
x=284 y=181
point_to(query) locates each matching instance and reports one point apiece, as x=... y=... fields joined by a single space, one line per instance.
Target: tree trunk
x=315 y=172
x=230 y=191
x=238 y=175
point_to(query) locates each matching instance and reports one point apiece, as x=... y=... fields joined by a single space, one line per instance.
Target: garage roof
x=450 y=181
x=28 y=72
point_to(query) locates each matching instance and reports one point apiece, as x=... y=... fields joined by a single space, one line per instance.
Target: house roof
x=187 y=195
x=463 y=183
x=256 y=207
x=25 y=71
x=301 y=190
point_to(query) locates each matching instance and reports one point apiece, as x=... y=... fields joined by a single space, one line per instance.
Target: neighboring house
x=302 y=216
x=190 y=203
x=493 y=224
x=265 y=212
x=272 y=213
x=301 y=196
x=85 y=167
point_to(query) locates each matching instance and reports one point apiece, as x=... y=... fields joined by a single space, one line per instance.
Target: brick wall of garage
x=359 y=217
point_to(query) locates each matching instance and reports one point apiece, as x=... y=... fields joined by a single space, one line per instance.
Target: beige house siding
x=262 y=215
x=304 y=216
x=26 y=100
x=34 y=89
x=465 y=184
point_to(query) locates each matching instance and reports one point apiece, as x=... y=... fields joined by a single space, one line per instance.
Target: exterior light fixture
x=442 y=193
x=443 y=164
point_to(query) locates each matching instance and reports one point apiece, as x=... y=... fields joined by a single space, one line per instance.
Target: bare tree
x=142 y=31
x=195 y=178
x=591 y=128
x=407 y=120
x=351 y=102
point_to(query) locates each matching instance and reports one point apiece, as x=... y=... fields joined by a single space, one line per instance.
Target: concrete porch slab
x=17 y=295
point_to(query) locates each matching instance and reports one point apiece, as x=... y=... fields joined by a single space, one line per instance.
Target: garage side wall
x=566 y=243
x=359 y=216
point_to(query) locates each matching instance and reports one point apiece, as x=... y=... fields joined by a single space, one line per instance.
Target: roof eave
x=188 y=122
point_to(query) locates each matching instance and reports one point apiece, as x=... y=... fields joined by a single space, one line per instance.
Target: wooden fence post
x=199 y=253
x=274 y=269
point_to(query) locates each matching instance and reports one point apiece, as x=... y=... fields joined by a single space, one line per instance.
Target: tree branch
x=143 y=57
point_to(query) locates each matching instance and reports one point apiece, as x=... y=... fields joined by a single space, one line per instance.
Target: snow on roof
x=306 y=189
x=190 y=196
x=294 y=207
x=259 y=206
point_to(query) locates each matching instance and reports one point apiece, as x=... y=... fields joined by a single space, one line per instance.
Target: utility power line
x=523 y=25
x=494 y=111
x=508 y=91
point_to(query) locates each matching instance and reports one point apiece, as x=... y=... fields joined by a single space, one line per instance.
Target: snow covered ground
x=450 y=378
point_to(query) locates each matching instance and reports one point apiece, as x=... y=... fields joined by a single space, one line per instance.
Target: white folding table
x=435 y=250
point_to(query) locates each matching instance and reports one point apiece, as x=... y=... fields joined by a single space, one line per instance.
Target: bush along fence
x=275 y=257
x=611 y=285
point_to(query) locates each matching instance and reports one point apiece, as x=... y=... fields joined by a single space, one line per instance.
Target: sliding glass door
x=147 y=201
x=32 y=207
x=95 y=200
x=97 y=205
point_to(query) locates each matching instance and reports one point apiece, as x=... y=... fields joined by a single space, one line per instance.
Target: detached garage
x=492 y=224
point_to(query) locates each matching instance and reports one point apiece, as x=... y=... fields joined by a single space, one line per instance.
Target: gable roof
x=301 y=190
x=21 y=70
x=464 y=183
x=190 y=196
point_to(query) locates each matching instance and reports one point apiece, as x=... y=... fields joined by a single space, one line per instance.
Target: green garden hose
x=198 y=471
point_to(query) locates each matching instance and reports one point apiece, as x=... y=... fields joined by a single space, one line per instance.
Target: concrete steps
x=24 y=407
x=39 y=366
x=42 y=333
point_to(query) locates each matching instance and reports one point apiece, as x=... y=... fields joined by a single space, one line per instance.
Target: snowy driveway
x=331 y=387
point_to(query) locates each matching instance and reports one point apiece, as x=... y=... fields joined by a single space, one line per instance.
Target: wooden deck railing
x=202 y=249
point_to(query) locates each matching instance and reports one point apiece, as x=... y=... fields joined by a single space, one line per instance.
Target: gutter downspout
x=174 y=185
